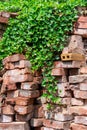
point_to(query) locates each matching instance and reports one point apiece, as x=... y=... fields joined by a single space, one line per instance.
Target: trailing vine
x=40 y=31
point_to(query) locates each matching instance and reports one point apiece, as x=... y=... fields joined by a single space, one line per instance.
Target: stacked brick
x=19 y=89
x=71 y=73
x=4 y=18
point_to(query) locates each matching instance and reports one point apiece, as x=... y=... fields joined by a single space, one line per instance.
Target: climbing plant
x=40 y=31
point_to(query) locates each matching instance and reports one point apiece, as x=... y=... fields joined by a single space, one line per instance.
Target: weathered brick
x=29 y=86
x=83 y=86
x=38 y=128
x=83 y=70
x=62 y=79
x=23 y=110
x=26 y=117
x=49 y=115
x=8 y=110
x=65 y=50
x=82 y=19
x=73 y=64
x=65 y=101
x=29 y=94
x=58 y=64
x=79 y=110
x=63 y=117
x=77 y=78
x=38 y=111
x=14 y=126
x=56 y=124
x=41 y=100
x=18 y=64
x=80 y=94
x=38 y=79
x=16 y=72
x=13 y=58
x=10 y=101
x=81 y=120
x=46 y=128
x=20 y=78
x=5 y=14
x=76 y=45
x=58 y=72
x=82 y=32
x=77 y=102
x=3 y=20
x=62 y=90
x=23 y=101
x=78 y=127
x=9 y=87
x=7 y=118
x=80 y=25
x=13 y=94
x=36 y=122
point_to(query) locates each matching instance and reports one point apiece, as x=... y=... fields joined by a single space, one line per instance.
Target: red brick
x=79 y=110
x=29 y=86
x=20 y=78
x=77 y=78
x=26 y=117
x=14 y=126
x=58 y=72
x=13 y=58
x=81 y=25
x=23 y=101
x=5 y=14
x=65 y=101
x=45 y=128
x=19 y=64
x=80 y=94
x=38 y=111
x=82 y=32
x=10 y=101
x=3 y=20
x=62 y=79
x=56 y=124
x=7 y=118
x=65 y=50
x=9 y=87
x=13 y=94
x=49 y=114
x=78 y=127
x=58 y=64
x=16 y=72
x=83 y=70
x=23 y=110
x=83 y=86
x=77 y=102
x=72 y=64
x=81 y=120
x=38 y=79
x=29 y=94
x=82 y=19
x=76 y=45
x=62 y=90
x=8 y=110
x=63 y=117
x=36 y=122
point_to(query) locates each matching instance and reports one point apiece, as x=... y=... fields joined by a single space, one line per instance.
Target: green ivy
x=40 y=31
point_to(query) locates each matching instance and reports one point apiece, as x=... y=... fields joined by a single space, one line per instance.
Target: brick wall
x=22 y=105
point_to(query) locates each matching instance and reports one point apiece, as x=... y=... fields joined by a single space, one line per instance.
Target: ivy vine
x=40 y=32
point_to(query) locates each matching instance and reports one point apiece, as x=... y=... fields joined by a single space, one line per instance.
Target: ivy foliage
x=40 y=31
